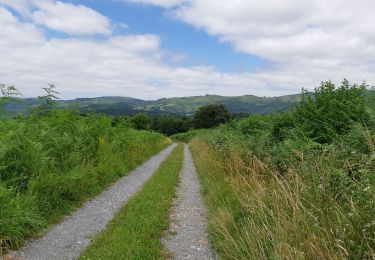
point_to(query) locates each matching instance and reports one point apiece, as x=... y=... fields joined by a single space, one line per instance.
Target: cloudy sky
x=162 y=48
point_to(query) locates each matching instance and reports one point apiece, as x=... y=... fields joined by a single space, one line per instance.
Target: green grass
x=50 y=165
x=136 y=230
x=312 y=209
x=298 y=185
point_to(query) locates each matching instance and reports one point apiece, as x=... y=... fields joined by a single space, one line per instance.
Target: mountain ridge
x=179 y=106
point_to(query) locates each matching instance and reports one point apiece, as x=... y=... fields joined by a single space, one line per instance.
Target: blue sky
x=163 y=48
x=176 y=36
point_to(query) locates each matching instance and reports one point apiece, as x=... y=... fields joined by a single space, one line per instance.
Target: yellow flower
x=101 y=140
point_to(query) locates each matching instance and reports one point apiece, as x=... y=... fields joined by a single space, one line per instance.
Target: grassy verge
x=50 y=165
x=136 y=230
x=222 y=204
x=295 y=185
x=255 y=213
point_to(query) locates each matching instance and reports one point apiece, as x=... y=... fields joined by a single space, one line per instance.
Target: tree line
x=206 y=117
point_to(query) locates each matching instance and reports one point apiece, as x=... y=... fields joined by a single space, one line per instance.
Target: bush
x=140 y=121
x=293 y=185
x=19 y=219
x=51 y=163
x=170 y=125
x=211 y=116
x=331 y=111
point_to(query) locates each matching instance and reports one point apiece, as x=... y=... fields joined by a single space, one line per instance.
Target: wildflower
x=101 y=140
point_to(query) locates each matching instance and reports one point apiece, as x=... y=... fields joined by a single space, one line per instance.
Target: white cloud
x=21 y=6
x=330 y=39
x=127 y=65
x=137 y=43
x=163 y=3
x=268 y=28
x=71 y=19
x=60 y=16
x=304 y=41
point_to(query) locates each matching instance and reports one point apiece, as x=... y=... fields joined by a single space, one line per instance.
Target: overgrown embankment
x=50 y=164
x=298 y=185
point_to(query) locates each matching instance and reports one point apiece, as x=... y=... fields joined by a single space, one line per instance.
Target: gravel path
x=188 y=238
x=69 y=238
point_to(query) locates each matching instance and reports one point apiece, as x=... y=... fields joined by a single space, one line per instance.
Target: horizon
x=175 y=97
x=153 y=49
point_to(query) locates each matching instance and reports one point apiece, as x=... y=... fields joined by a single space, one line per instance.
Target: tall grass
x=298 y=185
x=50 y=164
x=254 y=213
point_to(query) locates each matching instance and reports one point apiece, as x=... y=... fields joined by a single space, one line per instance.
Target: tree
x=48 y=101
x=170 y=125
x=211 y=116
x=140 y=121
x=332 y=110
x=7 y=93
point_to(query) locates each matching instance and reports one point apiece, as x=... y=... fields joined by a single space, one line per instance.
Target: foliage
x=140 y=121
x=331 y=111
x=281 y=187
x=7 y=93
x=167 y=125
x=18 y=218
x=48 y=101
x=211 y=116
x=170 y=125
x=52 y=163
x=136 y=230
x=186 y=106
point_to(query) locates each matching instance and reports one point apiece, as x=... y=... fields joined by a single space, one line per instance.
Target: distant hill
x=183 y=106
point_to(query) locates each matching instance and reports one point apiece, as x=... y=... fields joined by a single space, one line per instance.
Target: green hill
x=183 y=106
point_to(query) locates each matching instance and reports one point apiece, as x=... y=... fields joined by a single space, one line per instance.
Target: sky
x=152 y=49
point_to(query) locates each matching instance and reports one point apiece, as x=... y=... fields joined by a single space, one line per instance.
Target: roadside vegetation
x=295 y=185
x=136 y=230
x=206 y=117
x=167 y=125
x=51 y=161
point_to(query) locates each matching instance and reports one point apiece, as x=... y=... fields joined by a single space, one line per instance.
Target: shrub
x=211 y=116
x=293 y=185
x=50 y=163
x=140 y=121
x=18 y=219
x=331 y=111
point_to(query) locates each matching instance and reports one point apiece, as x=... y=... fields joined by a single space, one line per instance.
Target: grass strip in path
x=189 y=238
x=136 y=230
x=69 y=238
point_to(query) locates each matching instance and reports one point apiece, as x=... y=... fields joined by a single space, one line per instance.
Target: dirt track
x=189 y=232
x=67 y=239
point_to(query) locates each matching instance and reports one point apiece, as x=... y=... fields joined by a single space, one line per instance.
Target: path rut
x=69 y=238
x=189 y=239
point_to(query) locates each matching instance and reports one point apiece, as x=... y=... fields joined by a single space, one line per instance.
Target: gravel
x=69 y=238
x=189 y=239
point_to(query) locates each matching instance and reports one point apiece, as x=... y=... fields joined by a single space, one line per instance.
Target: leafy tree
x=331 y=111
x=255 y=124
x=170 y=125
x=140 y=121
x=7 y=93
x=282 y=123
x=48 y=101
x=211 y=116
x=121 y=121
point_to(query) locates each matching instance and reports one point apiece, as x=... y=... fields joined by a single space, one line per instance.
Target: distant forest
x=185 y=106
